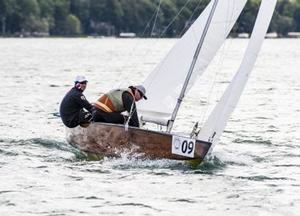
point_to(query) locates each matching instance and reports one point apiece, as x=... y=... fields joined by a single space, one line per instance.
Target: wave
x=210 y=165
x=14 y=147
x=141 y=205
x=258 y=140
x=55 y=150
x=262 y=178
x=183 y=200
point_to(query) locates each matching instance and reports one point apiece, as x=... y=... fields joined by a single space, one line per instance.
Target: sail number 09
x=183 y=146
x=187 y=146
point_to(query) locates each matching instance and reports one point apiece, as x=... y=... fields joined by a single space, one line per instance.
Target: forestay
x=164 y=84
x=216 y=122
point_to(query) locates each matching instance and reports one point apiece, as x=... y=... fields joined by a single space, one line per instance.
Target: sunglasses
x=84 y=82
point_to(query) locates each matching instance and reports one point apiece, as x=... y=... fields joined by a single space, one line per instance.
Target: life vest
x=112 y=101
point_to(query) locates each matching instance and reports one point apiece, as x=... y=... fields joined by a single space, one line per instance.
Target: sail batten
x=165 y=82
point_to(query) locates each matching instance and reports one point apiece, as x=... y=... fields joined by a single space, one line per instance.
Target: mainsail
x=164 y=84
x=216 y=122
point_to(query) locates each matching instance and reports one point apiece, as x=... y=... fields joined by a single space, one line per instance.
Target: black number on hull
x=184 y=146
x=191 y=147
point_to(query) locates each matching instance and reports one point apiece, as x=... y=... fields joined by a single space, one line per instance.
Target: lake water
x=255 y=169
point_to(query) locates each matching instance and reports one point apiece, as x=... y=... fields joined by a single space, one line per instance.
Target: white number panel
x=183 y=146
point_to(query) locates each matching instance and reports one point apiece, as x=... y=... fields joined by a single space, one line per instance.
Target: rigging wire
x=157 y=12
x=220 y=64
x=148 y=23
x=154 y=16
x=189 y=20
x=173 y=20
x=134 y=48
x=177 y=15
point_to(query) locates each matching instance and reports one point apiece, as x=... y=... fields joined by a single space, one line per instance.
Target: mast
x=191 y=69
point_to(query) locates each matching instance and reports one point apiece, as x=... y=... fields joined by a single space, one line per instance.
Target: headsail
x=164 y=84
x=216 y=122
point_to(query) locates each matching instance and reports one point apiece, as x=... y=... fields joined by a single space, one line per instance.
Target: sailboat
x=168 y=84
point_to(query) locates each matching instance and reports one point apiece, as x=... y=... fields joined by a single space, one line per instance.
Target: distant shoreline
x=130 y=35
x=115 y=37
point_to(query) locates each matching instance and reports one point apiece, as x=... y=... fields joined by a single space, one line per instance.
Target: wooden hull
x=113 y=140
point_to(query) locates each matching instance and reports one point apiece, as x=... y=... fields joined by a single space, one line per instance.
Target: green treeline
x=110 y=17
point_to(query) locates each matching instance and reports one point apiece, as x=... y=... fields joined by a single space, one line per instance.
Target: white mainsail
x=216 y=122
x=164 y=84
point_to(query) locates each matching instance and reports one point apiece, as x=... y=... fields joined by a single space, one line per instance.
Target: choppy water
x=256 y=166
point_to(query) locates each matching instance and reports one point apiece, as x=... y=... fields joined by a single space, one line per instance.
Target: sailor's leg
x=114 y=117
x=98 y=115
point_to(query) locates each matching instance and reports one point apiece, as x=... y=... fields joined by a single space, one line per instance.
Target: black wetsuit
x=71 y=109
x=116 y=117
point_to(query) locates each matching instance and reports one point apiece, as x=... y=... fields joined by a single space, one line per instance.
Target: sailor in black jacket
x=73 y=104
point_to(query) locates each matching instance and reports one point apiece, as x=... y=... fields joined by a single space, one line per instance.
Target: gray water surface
x=255 y=169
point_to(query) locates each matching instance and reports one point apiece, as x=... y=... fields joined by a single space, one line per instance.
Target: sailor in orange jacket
x=110 y=105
